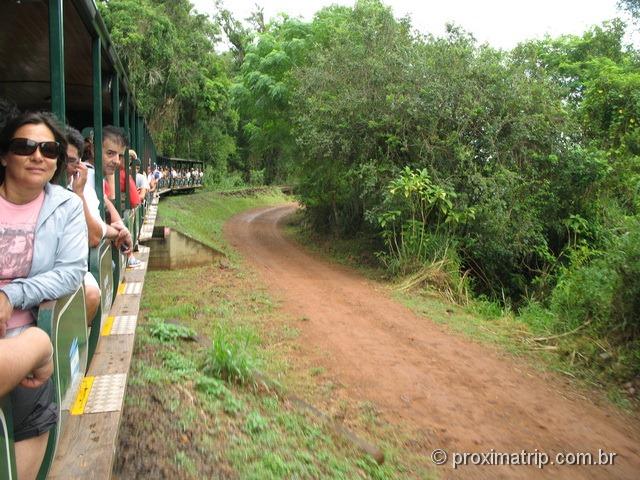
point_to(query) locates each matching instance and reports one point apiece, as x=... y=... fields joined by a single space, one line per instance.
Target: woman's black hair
x=74 y=138
x=34 y=118
x=7 y=110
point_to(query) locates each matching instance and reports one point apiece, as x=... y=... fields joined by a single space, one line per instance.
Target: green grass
x=261 y=437
x=202 y=215
x=488 y=329
x=231 y=356
x=168 y=332
x=185 y=463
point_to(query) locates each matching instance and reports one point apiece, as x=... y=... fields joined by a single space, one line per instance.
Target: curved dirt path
x=461 y=395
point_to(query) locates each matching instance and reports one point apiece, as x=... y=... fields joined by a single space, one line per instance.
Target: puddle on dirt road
x=177 y=251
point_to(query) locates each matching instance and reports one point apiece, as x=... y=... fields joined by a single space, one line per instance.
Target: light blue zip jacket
x=60 y=251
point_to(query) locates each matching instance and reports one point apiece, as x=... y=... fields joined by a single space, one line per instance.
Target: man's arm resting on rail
x=116 y=231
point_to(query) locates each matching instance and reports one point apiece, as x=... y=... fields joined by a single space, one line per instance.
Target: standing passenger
x=151 y=179
x=142 y=185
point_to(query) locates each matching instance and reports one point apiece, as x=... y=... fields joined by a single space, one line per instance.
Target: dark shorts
x=34 y=411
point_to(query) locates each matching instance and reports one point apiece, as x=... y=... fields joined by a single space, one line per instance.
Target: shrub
x=626 y=289
x=606 y=289
x=584 y=294
x=217 y=181
x=418 y=220
x=229 y=358
x=169 y=332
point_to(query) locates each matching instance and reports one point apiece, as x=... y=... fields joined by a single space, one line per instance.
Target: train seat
x=65 y=322
x=100 y=266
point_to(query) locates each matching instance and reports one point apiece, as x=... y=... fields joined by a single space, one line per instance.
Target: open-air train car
x=183 y=181
x=56 y=55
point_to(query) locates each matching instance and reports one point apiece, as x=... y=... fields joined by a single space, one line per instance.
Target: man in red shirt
x=113 y=146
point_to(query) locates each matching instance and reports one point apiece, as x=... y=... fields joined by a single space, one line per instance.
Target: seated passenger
x=25 y=360
x=78 y=174
x=78 y=182
x=43 y=250
x=117 y=232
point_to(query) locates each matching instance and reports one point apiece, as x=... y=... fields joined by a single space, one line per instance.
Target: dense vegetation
x=181 y=84
x=513 y=174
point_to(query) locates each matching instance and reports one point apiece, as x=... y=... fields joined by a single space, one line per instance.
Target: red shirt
x=134 y=198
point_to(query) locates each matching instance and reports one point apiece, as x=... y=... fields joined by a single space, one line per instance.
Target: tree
x=262 y=94
x=344 y=111
x=631 y=6
x=187 y=101
x=238 y=35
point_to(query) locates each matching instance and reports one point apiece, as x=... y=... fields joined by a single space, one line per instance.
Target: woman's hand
x=6 y=309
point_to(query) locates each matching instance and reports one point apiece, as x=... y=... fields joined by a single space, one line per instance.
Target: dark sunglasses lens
x=22 y=146
x=50 y=149
x=25 y=146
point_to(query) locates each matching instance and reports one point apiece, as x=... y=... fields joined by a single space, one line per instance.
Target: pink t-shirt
x=17 y=234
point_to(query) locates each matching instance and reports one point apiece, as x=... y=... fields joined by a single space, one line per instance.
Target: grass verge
x=202 y=214
x=194 y=406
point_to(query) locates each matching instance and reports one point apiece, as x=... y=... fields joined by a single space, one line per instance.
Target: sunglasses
x=25 y=146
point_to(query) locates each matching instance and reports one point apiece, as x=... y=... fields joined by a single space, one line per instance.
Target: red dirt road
x=463 y=396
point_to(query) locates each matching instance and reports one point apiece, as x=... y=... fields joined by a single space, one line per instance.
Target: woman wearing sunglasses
x=43 y=256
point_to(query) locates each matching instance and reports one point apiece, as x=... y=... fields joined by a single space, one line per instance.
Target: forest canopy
x=516 y=174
